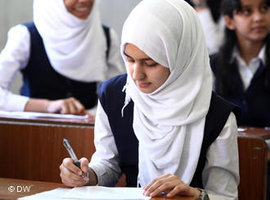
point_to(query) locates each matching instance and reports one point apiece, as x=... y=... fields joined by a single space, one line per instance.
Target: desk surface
x=255 y=132
x=6 y=184
x=86 y=123
x=43 y=121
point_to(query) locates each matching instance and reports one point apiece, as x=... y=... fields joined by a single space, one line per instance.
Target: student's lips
x=259 y=29
x=82 y=9
x=143 y=85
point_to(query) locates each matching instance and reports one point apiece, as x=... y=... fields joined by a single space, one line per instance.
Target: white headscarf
x=75 y=47
x=169 y=123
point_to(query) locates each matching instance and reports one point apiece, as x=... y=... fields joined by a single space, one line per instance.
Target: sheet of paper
x=241 y=129
x=48 y=195
x=105 y=193
x=42 y=115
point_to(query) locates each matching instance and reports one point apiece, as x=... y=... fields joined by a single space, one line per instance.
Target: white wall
x=12 y=12
x=114 y=12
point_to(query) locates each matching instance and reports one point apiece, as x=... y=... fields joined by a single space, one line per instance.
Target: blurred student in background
x=242 y=65
x=63 y=54
x=212 y=22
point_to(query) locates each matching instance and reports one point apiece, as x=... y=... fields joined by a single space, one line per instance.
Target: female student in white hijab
x=160 y=124
x=62 y=55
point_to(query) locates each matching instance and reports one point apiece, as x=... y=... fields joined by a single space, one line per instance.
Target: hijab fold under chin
x=169 y=123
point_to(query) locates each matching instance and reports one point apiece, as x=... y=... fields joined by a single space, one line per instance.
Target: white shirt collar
x=247 y=71
x=261 y=55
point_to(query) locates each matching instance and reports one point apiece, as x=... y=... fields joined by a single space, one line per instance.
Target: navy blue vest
x=40 y=80
x=112 y=100
x=254 y=102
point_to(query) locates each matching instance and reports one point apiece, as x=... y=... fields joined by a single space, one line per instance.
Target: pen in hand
x=73 y=156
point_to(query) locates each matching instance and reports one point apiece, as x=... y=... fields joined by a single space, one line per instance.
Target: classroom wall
x=12 y=12
x=114 y=12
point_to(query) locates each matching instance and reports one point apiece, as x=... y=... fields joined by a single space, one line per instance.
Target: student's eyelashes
x=248 y=11
x=150 y=63
x=265 y=8
x=129 y=59
x=245 y=11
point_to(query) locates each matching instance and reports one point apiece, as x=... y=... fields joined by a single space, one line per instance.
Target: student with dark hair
x=63 y=54
x=160 y=123
x=242 y=65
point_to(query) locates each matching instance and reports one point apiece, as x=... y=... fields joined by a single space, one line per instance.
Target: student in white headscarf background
x=209 y=13
x=161 y=124
x=63 y=54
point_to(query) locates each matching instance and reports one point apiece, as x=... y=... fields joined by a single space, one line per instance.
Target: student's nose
x=138 y=72
x=257 y=16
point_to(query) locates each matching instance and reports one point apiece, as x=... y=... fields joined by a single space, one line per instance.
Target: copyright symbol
x=11 y=188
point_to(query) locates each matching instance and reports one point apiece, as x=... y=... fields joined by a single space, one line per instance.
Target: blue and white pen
x=73 y=155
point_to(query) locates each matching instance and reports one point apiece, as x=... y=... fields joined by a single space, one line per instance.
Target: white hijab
x=76 y=48
x=169 y=123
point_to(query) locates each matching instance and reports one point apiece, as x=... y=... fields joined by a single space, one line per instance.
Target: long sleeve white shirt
x=220 y=174
x=14 y=57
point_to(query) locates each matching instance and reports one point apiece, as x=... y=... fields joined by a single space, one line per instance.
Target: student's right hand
x=66 y=106
x=72 y=175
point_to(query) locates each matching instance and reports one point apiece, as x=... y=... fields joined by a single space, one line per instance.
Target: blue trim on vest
x=40 y=80
x=112 y=100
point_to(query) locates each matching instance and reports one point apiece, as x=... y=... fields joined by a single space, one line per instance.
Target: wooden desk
x=6 y=184
x=253 y=163
x=33 y=148
x=258 y=133
x=252 y=132
x=255 y=132
x=37 y=187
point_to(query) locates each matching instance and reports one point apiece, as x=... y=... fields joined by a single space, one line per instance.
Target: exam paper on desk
x=114 y=193
x=91 y=193
x=105 y=193
x=61 y=193
x=54 y=194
